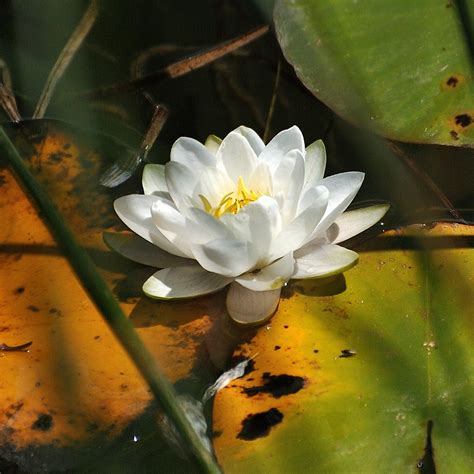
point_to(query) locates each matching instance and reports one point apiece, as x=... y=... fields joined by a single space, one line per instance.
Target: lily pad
x=403 y=69
x=74 y=390
x=371 y=373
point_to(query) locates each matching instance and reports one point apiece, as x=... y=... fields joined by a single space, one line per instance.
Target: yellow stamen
x=205 y=203
x=232 y=202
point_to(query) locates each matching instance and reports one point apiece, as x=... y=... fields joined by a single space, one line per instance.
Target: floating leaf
x=404 y=69
x=351 y=372
x=74 y=389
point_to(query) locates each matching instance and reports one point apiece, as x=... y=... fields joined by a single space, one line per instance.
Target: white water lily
x=243 y=213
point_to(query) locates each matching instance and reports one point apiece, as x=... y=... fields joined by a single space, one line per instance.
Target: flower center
x=232 y=202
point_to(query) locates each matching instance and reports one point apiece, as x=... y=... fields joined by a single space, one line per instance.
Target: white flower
x=239 y=212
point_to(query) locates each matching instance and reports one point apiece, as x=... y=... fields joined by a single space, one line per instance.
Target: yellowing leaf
x=350 y=372
x=75 y=385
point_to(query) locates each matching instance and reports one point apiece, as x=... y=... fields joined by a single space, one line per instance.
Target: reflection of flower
x=239 y=212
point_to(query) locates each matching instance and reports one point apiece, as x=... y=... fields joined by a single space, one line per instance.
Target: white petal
x=251 y=307
x=183 y=282
x=139 y=250
x=191 y=153
x=252 y=137
x=171 y=223
x=281 y=144
x=342 y=189
x=317 y=261
x=237 y=157
x=354 y=222
x=270 y=277
x=308 y=197
x=225 y=257
x=213 y=143
x=261 y=179
x=297 y=233
x=203 y=227
x=259 y=223
x=181 y=182
x=153 y=179
x=288 y=179
x=213 y=184
x=135 y=212
x=315 y=163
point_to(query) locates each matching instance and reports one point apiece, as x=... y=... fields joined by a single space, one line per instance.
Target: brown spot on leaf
x=259 y=425
x=452 y=81
x=277 y=385
x=464 y=120
x=345 y=353
x=44 y=422
x=460 y=123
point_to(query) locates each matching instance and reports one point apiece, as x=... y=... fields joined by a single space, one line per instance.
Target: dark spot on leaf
x=216 y=434
x=66 y=146
x=92 y=427
x=33 y=308
x=17 y=406
x=260 y=424
x=58 y=156
x=55 y=311
x=96 y=337
x=44 y=422
x=2 y=180
x=4 y=328
x=277 y=348
x=452 y=81
x=277 y=385
x=464 y=120
x=454 y=134
x=347 y=353
x=316 y=351
x=19 y=290
x=286 y=327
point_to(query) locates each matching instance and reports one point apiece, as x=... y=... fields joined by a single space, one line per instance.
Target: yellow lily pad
x=352 y=374
x=75 y=385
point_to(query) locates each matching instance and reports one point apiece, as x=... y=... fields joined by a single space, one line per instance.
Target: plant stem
x=108 y=306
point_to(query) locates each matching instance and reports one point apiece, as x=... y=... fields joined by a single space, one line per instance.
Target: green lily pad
x=371 y=373
x=402 y=68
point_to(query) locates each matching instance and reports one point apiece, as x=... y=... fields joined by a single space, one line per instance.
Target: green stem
x=110 y=309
